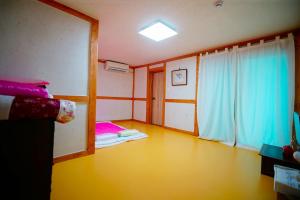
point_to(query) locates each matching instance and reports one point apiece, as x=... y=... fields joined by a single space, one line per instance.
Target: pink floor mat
x=107 y=127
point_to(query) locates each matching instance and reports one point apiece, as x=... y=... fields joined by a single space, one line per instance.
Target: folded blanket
x=107 y=127
x=13 y=88
x=22 y=107
x=129 y=132
x=106 y=136
x=110 y=142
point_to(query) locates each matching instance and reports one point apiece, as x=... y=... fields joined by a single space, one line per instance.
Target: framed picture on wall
x=179 y=77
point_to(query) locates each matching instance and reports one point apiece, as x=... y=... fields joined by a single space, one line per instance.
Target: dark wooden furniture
x=26 y=153
x=272 y=155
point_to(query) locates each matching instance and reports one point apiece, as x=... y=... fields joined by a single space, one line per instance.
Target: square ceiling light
x=158 y=32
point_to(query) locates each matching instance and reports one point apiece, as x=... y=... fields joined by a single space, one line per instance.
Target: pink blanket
x=107 y=127
x=12 y=88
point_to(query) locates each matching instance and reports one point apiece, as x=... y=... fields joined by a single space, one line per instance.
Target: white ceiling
x=199 y=24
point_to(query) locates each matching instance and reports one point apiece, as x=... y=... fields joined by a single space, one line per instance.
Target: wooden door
x=157 y=98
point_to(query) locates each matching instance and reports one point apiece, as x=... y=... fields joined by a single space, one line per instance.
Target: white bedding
x=107 y=140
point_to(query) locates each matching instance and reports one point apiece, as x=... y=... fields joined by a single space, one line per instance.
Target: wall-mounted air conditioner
x=116 y=66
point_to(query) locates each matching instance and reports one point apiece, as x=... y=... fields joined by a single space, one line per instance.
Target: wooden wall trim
x=78 y=99
x=149 y=100
x=101 y=61
x=92 y=86
x=191 y=101
x=120 y=120
x=196 y=131
x=222 y=47
x=179 y=130
x=114 y=98
x=156 y=69
x=70 y=156
x=168 y=60
x=164 y=96
x=297 y=107
x=135 y=120
x=69 y=10
x=133 y=88
x=137 y=67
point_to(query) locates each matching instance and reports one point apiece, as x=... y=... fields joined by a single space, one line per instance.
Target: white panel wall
x=113 y=109
x=69 y=138
x=184 y=117
x=41 y=42
x=140 y=83
x=140 y=91
x=140 y=110
x=115 y=84
x=186 y=91
x=180 y=116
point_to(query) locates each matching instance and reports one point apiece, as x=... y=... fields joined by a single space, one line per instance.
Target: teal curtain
x=265 y=93
x=246 y=95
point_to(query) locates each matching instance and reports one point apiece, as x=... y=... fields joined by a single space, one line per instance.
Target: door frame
x=150 y=76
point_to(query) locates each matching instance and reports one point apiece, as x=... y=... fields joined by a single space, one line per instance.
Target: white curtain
x=216 y=93
x=246 y=96
x=265 y=93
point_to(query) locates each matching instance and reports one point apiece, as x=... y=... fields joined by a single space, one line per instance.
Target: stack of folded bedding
x=29 y=99
x=129 y=132
x=108 y=134
x=106 y=137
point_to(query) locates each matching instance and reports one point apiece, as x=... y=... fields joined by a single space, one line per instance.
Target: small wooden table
x=272 y=155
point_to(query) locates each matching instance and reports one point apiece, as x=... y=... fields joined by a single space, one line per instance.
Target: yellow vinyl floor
x=166 y=165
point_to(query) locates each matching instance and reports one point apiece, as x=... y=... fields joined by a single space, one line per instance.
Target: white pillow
x=297 y=156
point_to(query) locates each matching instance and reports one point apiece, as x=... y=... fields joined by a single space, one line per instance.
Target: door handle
x=153 y=98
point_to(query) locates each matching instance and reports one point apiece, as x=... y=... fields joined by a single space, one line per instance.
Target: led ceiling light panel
x=158 y=32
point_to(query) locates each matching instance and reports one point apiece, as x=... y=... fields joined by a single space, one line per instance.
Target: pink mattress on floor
x=107 y=127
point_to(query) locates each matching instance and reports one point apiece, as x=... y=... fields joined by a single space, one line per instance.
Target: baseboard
x=117 y=120
x=180 y=130
x=135 y=120
x=71 y=156
x=170 y=128
x=121 y=120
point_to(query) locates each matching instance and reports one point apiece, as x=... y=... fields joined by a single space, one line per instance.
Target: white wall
x=184 y=91
x=38 y=41
x=140 y=110
x=113 y=84
x=69 y=138
x=140 y=83
x=41 y=42
x=140 y=91
x=113 y=109
x=181 y=115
